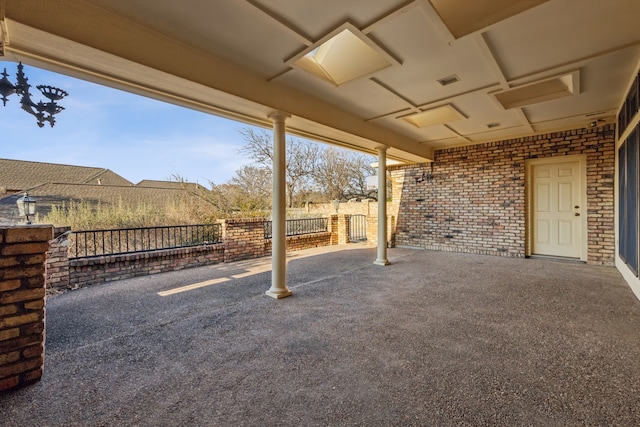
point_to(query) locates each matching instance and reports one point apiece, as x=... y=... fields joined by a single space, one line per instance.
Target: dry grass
x=87 y=216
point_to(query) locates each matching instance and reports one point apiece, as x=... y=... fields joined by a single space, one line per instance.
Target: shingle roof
x=170 y=184
x=19 y=175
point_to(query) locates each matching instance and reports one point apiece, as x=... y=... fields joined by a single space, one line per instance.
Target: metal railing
x=297 y=227
x=90 y=243
x=357 y=228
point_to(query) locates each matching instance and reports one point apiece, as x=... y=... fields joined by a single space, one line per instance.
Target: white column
x=279 y=209
x=382 y=207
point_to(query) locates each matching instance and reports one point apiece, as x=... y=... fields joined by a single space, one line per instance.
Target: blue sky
x=136 y=137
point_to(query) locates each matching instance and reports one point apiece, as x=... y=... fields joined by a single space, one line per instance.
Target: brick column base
x=22 y=304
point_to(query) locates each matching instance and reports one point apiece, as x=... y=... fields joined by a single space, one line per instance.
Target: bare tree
x=301 y=161
x=176 y=177
x=253 y=188
x=312 y=169
x=342 y=175
x=247 y=193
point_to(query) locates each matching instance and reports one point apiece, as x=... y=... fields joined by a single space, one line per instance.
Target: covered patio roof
x=442 y=73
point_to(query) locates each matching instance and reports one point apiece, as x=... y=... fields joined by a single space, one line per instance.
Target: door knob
x=577 y=214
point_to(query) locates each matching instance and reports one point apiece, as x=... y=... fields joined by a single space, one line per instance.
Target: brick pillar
x=343 y=229
x=333 y=228
x=243 y=239
x=22 y=304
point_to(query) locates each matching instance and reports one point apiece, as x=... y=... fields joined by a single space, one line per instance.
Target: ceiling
x=518 y=67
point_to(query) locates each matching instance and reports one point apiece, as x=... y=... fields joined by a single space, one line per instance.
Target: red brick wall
x=472 y=199
x=22 y=291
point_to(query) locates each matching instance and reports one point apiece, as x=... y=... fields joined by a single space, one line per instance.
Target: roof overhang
x=90 y=43
x=500 y=69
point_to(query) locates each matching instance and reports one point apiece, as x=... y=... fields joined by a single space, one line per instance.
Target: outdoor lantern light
x=26 y=206
x=42 y=111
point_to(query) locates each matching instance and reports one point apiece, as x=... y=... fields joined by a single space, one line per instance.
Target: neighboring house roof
x=56 y=184
x=19 y=175
x=176 y=185
x=50 y=194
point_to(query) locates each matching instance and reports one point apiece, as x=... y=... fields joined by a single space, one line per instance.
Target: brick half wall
x=305 y=241
x=90 y=271
x=242 y=239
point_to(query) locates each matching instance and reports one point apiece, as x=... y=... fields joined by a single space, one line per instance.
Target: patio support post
x=382 y=207
x=279 y=210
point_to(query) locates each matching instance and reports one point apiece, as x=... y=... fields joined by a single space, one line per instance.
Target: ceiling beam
x=392 y=14
x=283 y=23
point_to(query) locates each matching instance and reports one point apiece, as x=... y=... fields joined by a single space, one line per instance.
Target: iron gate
x=357 y=228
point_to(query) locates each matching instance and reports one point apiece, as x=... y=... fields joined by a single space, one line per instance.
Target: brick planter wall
x=22 y=304
x=473 y=200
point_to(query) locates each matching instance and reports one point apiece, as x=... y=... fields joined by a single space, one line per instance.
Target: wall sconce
x=425 y=176
x=26 y=206
x=42 y=111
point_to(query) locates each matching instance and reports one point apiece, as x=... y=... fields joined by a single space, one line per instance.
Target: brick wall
x=472 y=198
x=243 y=238
x=372 y=230
x=305 y=241
x=89 y=271
x=22 y=304
x=362 y=207
x=57 y=261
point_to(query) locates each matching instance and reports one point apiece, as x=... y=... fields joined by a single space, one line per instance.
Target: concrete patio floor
x=435 y=338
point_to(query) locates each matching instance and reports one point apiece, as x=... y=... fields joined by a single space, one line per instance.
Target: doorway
x=557 y=211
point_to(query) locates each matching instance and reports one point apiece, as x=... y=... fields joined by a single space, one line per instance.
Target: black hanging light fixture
x=42 y=111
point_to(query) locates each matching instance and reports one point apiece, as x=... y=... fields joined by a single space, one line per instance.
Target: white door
x=557 y=209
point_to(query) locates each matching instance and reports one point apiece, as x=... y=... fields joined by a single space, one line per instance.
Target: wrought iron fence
x=129 y=240
x=297 y=227
x=357 y=228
